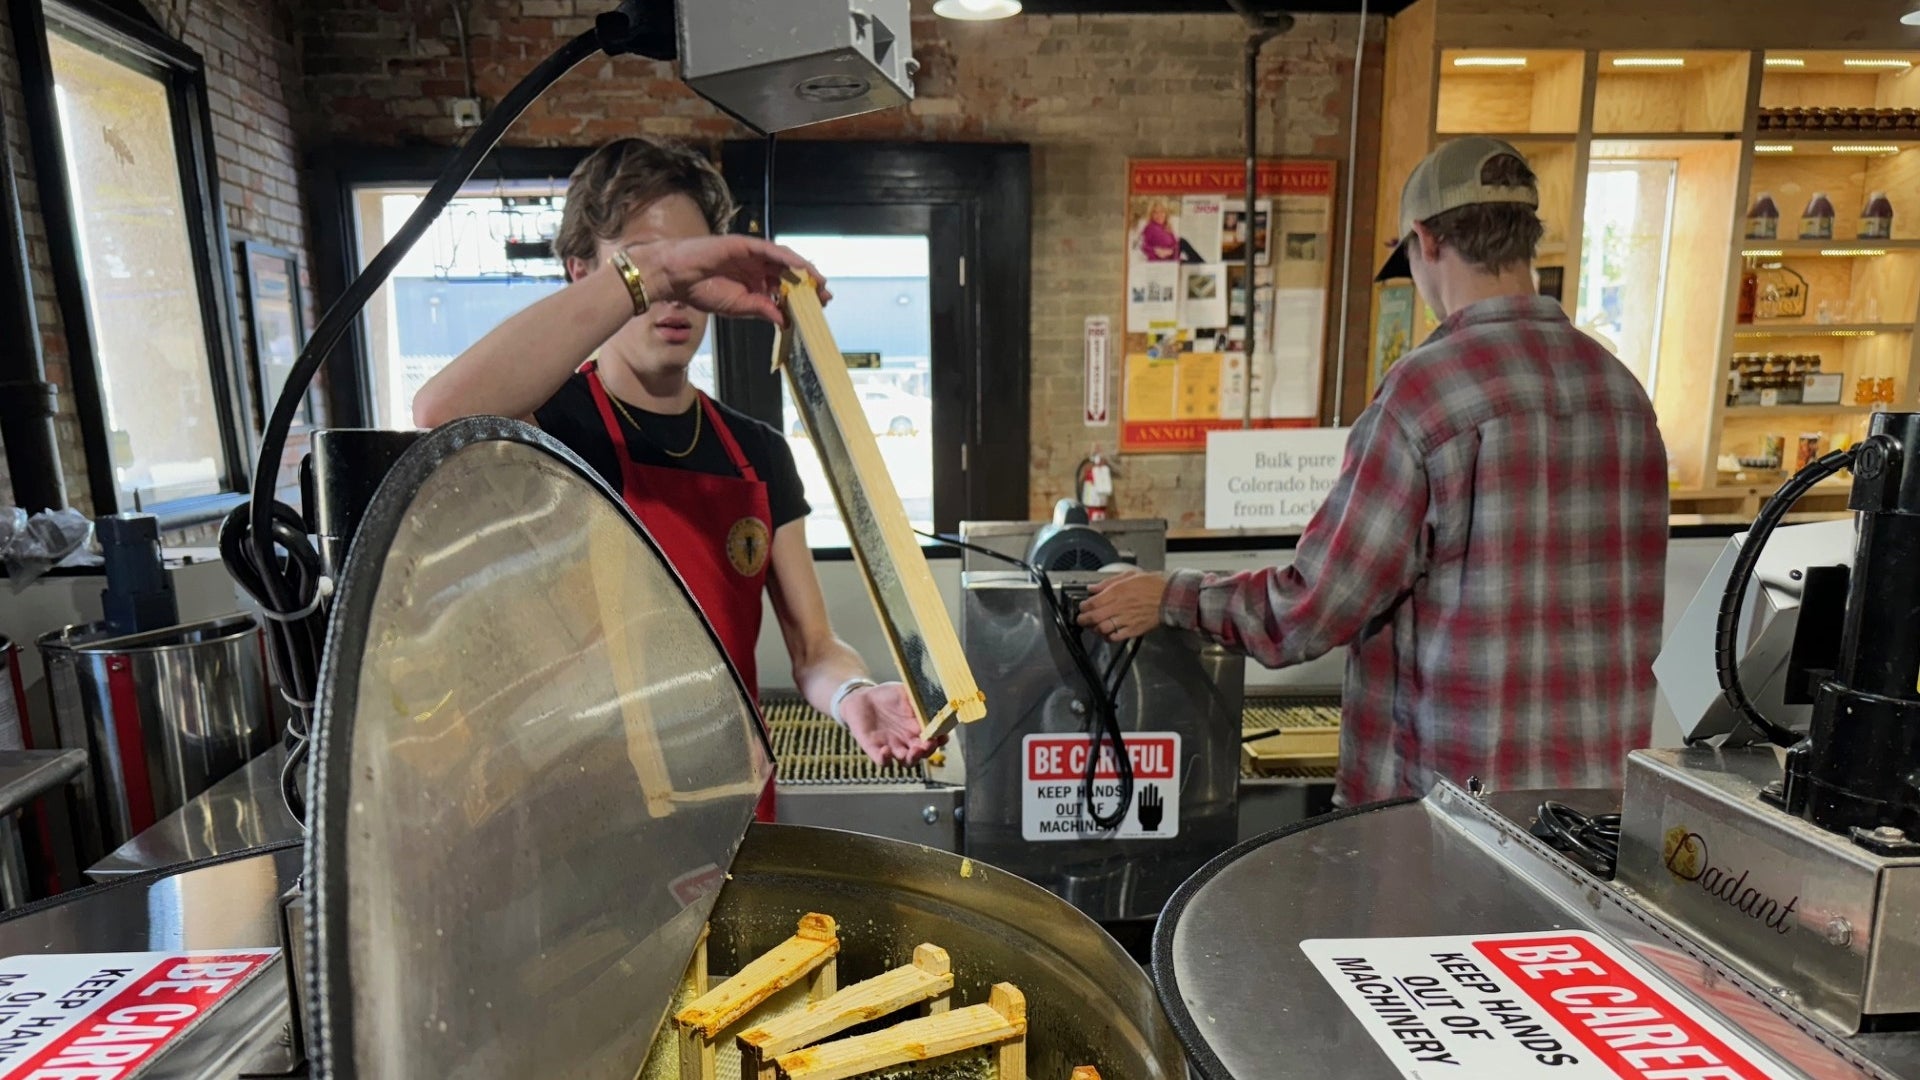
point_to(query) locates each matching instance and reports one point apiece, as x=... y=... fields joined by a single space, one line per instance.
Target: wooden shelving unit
x=1659 y=83
x=1740 y=412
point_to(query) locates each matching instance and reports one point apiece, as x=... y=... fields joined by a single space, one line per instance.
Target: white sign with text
x=1099 y=341
x=1054 y=787
x=1271 y=479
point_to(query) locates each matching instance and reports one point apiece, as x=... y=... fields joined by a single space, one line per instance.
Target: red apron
x=717 y=531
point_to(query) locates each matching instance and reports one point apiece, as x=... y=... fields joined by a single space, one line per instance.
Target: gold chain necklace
x=698 y=412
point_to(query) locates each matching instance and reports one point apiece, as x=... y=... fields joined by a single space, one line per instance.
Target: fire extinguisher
x=1093 y=485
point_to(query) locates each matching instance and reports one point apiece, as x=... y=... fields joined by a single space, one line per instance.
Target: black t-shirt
x=572 y=417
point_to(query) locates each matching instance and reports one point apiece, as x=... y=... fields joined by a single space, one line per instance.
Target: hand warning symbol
x=1152 y=807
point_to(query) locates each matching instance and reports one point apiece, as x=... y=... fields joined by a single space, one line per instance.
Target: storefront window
x=486 y=257
x=1623 y=265
x=153 y=363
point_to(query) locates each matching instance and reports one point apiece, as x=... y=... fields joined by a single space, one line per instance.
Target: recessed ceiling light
x=1911 y=18
x=1649 y=61
x=1870 y=148
x=1490 y=61
x=1890 y=65
x=976 y=10
x=1763 y=253
x=1773 y=148
x=1851 y=253
x=1786 y=61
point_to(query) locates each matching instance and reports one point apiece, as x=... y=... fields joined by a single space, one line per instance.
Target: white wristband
x=858 y=682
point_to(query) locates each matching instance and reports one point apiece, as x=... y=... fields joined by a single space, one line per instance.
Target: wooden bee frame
x=914 y=618
x=811 y=951
x=929 y=978
x=1001 y=1024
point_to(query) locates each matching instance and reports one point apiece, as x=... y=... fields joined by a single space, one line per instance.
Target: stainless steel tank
x=163 y=714
x=1088 y=1003
x=533 y=766
x=13 y=698
x=533 y=775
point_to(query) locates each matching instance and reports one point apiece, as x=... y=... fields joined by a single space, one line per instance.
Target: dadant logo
x=1684 y=853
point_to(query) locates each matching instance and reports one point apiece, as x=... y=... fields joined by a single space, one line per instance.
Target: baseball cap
x=1448 y=179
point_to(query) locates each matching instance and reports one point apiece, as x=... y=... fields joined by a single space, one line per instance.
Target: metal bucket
x=163 y=715
x=13 y=698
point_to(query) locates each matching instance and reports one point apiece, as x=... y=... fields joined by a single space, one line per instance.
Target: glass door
x=880 y=320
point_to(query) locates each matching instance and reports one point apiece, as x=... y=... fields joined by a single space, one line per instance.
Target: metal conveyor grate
x=1263 y=714
x=812 y=749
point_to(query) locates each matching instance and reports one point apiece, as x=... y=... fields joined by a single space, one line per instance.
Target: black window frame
x=135 y=41
x=978 y=200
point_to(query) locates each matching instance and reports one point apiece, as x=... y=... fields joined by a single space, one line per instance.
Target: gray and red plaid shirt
x=1494 y=554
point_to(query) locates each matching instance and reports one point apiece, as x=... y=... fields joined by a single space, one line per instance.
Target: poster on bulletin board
x=1393 y=328
x=1186 y=370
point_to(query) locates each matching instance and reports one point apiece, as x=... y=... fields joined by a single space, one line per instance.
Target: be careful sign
x=1053 y=806
x=106 y=1016
x=1521 y=1006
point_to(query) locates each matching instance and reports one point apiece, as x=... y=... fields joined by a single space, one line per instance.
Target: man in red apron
x=602 y=366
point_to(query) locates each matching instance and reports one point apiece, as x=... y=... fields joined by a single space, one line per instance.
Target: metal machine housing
x=798 y=62
x=1798 y=906
x=1179 y=683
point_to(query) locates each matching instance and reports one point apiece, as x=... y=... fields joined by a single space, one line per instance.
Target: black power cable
x=1594 y=841
x=264 y=542
x=1726 y=630
x=1103 y=685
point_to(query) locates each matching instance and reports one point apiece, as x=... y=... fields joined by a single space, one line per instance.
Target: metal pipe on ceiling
x=1346 y=246
x=1262 y=27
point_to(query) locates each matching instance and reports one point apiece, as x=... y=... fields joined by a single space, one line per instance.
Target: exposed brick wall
x=1085 y=92
x=253 y=86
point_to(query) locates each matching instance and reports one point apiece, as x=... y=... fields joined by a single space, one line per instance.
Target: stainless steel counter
x=245 y=810
x=224 y=904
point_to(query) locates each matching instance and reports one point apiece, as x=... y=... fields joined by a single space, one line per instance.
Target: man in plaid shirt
x=1494 y=552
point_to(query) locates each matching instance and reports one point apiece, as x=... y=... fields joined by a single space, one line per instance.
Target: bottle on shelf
x=1763 y=219
x=1817 y=222
x=1876 y=221
x=1749 y=292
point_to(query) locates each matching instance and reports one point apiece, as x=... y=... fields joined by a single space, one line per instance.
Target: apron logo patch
x=748 y=546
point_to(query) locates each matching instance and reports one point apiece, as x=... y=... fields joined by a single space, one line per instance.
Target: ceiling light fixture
x=1911 y=18
x=1650 y=61
x=1866 y=148
x=1785 y=62
x=1851 y=253
x=1885 y=65
x=1490 y=61
x=1763 y=253
x=976 y=10
x=1773 y=148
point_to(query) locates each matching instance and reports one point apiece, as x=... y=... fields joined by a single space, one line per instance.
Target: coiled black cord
x=294 y=641
x=1727 y=629
x=1103 y=686
x=1594 y=841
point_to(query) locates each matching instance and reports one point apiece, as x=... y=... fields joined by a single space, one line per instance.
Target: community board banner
x=1187 y=370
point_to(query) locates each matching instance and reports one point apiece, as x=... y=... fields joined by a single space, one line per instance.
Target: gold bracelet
x=636 y=283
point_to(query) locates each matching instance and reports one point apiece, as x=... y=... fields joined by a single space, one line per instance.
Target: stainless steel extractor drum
x=1088 y=1002
x=533 y=776
x=534 y=766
